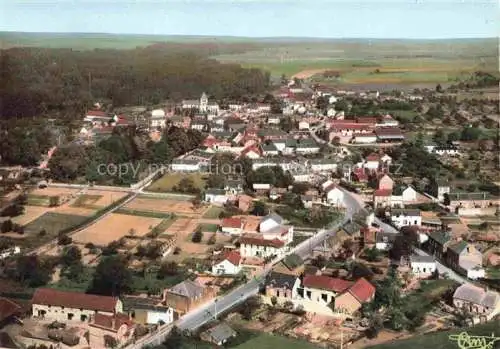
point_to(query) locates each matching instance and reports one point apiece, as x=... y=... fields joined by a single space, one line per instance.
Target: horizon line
x=254 y=37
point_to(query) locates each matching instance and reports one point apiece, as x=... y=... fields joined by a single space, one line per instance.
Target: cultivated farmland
x=115 y=226
x=170 y=180
x=53 y=223
x=183 y=208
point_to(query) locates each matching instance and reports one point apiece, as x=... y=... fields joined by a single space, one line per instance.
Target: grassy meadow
x=358 y=61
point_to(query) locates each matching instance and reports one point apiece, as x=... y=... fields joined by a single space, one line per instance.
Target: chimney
x=113 y=322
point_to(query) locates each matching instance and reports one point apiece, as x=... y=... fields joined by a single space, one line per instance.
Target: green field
x=441 y=339
x=87 y=201
x=253 y=340
x=209 y=228
x=213 y=212
x=139 y=213
x=358 y=61
x=53 y=223
x=170 y=180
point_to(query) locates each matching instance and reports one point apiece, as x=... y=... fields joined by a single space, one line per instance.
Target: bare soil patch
x=304 y=74
x=115 y=226
x=184 y=208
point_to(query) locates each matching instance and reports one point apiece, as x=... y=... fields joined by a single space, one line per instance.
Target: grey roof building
x=218 y=334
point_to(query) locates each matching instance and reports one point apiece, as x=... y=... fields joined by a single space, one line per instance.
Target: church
x=202 y=105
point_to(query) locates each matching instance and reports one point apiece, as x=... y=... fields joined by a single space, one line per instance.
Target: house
x=234 y=186
x=157 y=119
x=323 y=165
x=219 y=334
x=306 y=146
x=347 y=128
x=252 y=152
x=384 y=241
x=228 y=265
x=350 y=302
x=364 y=138
x=202 y=105
x=387 y=121
x=274 y=119
x=292 y=264
x=422 y=266
x=385 y=182
x=389 y=134
x=303 y=125
x=280 y=286
x=409 y=194
x=440 y=188
x=8 y=311
x=465 y=259
x=147 y=310
x=118 y=326
x=261 y=188
x=334 y=196
x=185 y=165
x=188 y=295
x=375 y=161
x=382 y=198
x=66 y=306
x=269 y=150
x=216 y=196
x=254 y=245
x=325 y=295
x=476 y=300
x=270 y=222
x=449 y=150
x=460 y=200
x=232 y=226
x=404 y=217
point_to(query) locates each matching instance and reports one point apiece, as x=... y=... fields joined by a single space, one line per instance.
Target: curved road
x=209 y=311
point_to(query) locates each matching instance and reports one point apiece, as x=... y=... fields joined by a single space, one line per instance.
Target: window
x=308 y=294
x=70 y=316
x=83 y=317
x=324 y=297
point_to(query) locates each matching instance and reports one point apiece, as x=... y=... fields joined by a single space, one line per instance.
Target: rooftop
x=49 y=296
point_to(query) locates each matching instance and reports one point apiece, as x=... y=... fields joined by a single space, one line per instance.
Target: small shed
x=218 y=334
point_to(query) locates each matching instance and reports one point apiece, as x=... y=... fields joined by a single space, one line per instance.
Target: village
x=289 y=218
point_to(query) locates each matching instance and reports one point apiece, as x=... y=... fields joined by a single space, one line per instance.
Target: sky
x=425 y=19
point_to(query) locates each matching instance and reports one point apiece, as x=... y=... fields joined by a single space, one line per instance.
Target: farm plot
x=53 y=223
x=103 y=198
x=182 y=208
x=30 y=213
x=86 y=201
x=169 y=181
x=115 y=226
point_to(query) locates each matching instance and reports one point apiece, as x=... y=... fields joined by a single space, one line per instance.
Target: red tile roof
x=231 y=223
x=96 y=113
x=8 y=308
x=276 y=243
x=111 y=322
x=366 y=120
x=233 y=257
x=383 y=192
x=48 y=296
x=324 y=282
x=253 y=148
x=373 y=157
x=362 y=290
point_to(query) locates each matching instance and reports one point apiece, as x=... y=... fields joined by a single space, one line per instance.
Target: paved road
x=198 y=317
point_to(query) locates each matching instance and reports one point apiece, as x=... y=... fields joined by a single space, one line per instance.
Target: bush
x=63 y=240
x=89 y=246
x=197 y=236
x=6 y=226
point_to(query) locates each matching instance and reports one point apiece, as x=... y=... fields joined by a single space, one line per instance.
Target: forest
x=64 y=82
